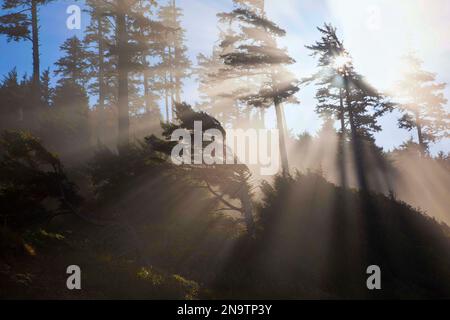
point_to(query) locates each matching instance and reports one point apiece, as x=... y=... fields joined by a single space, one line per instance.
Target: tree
x=225 y=183
x=46 y=89
x=422 y=103
x=98 y=40
x=345 y=95
x=65 y=125
x=124 y=16
x=21 y=23
x=16 y=103
x=219 y=91
x=175 y=64
x=252 y=52
x=74 y=65
x=151 y=36
x=31 y=176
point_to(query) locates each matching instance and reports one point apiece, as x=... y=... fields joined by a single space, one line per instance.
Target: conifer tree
x=175 y=65
x=46 y=89
x=13 y=100
x=422 y=103
x=74 y=65
x=124 y=16
x=21 y=22
x=225 y=183
x=219 y=92
x=344 y=94
x=98 y=40
x=252 y=52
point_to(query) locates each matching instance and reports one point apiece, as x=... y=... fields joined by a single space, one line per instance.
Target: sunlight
x=341 y=62
x=377 y=40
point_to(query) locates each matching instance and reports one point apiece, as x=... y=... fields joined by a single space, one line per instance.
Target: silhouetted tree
x=30 y=176
x=342 y=92
x=22 y=23
x=46 y=89
x=127 y=51
x=345 y=95
x=225 y=183
x=16 y=102
x=74 y=64
x=98 y=40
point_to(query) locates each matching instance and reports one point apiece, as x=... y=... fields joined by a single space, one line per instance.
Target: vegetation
x=87 y=175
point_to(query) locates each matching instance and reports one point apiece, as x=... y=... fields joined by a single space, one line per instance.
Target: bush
x=33 y=185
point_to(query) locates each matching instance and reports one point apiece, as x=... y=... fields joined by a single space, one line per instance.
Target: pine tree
x=66 y=127
x=98 y=40
x=127 y=50
x=345 y=95
x=423 y=104
x=46 y=89
x=218 y=91
x=174 y=65
x=22 y=23
x=13 y=100
x=252 y=52
x=223 y=182
x=74 y=65
x=151 y=35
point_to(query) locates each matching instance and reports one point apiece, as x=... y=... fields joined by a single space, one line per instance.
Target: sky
x=376 y=33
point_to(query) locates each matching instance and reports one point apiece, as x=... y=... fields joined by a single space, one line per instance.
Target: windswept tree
x=21 y=22
x=34 y=186
x=227 y=184
x=250 y=52
x=345 y=95
x=422 y=102
x=73 y=66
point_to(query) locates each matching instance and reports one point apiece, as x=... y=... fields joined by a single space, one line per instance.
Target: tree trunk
x=176 y=59
x=123 y=60
x=342 y=112
x=422 y=144
x=358 y=151
x=166 y=92
x=282 y=137
x=146 y=91
x=171 y=83
x=101 y=65
x=178 y=89
x=247 y=206
x=166 y=101
x=35 y=40
x=342 y=166
x=101 y=82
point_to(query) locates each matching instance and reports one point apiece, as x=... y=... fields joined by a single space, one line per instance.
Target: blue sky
x=376 y=32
